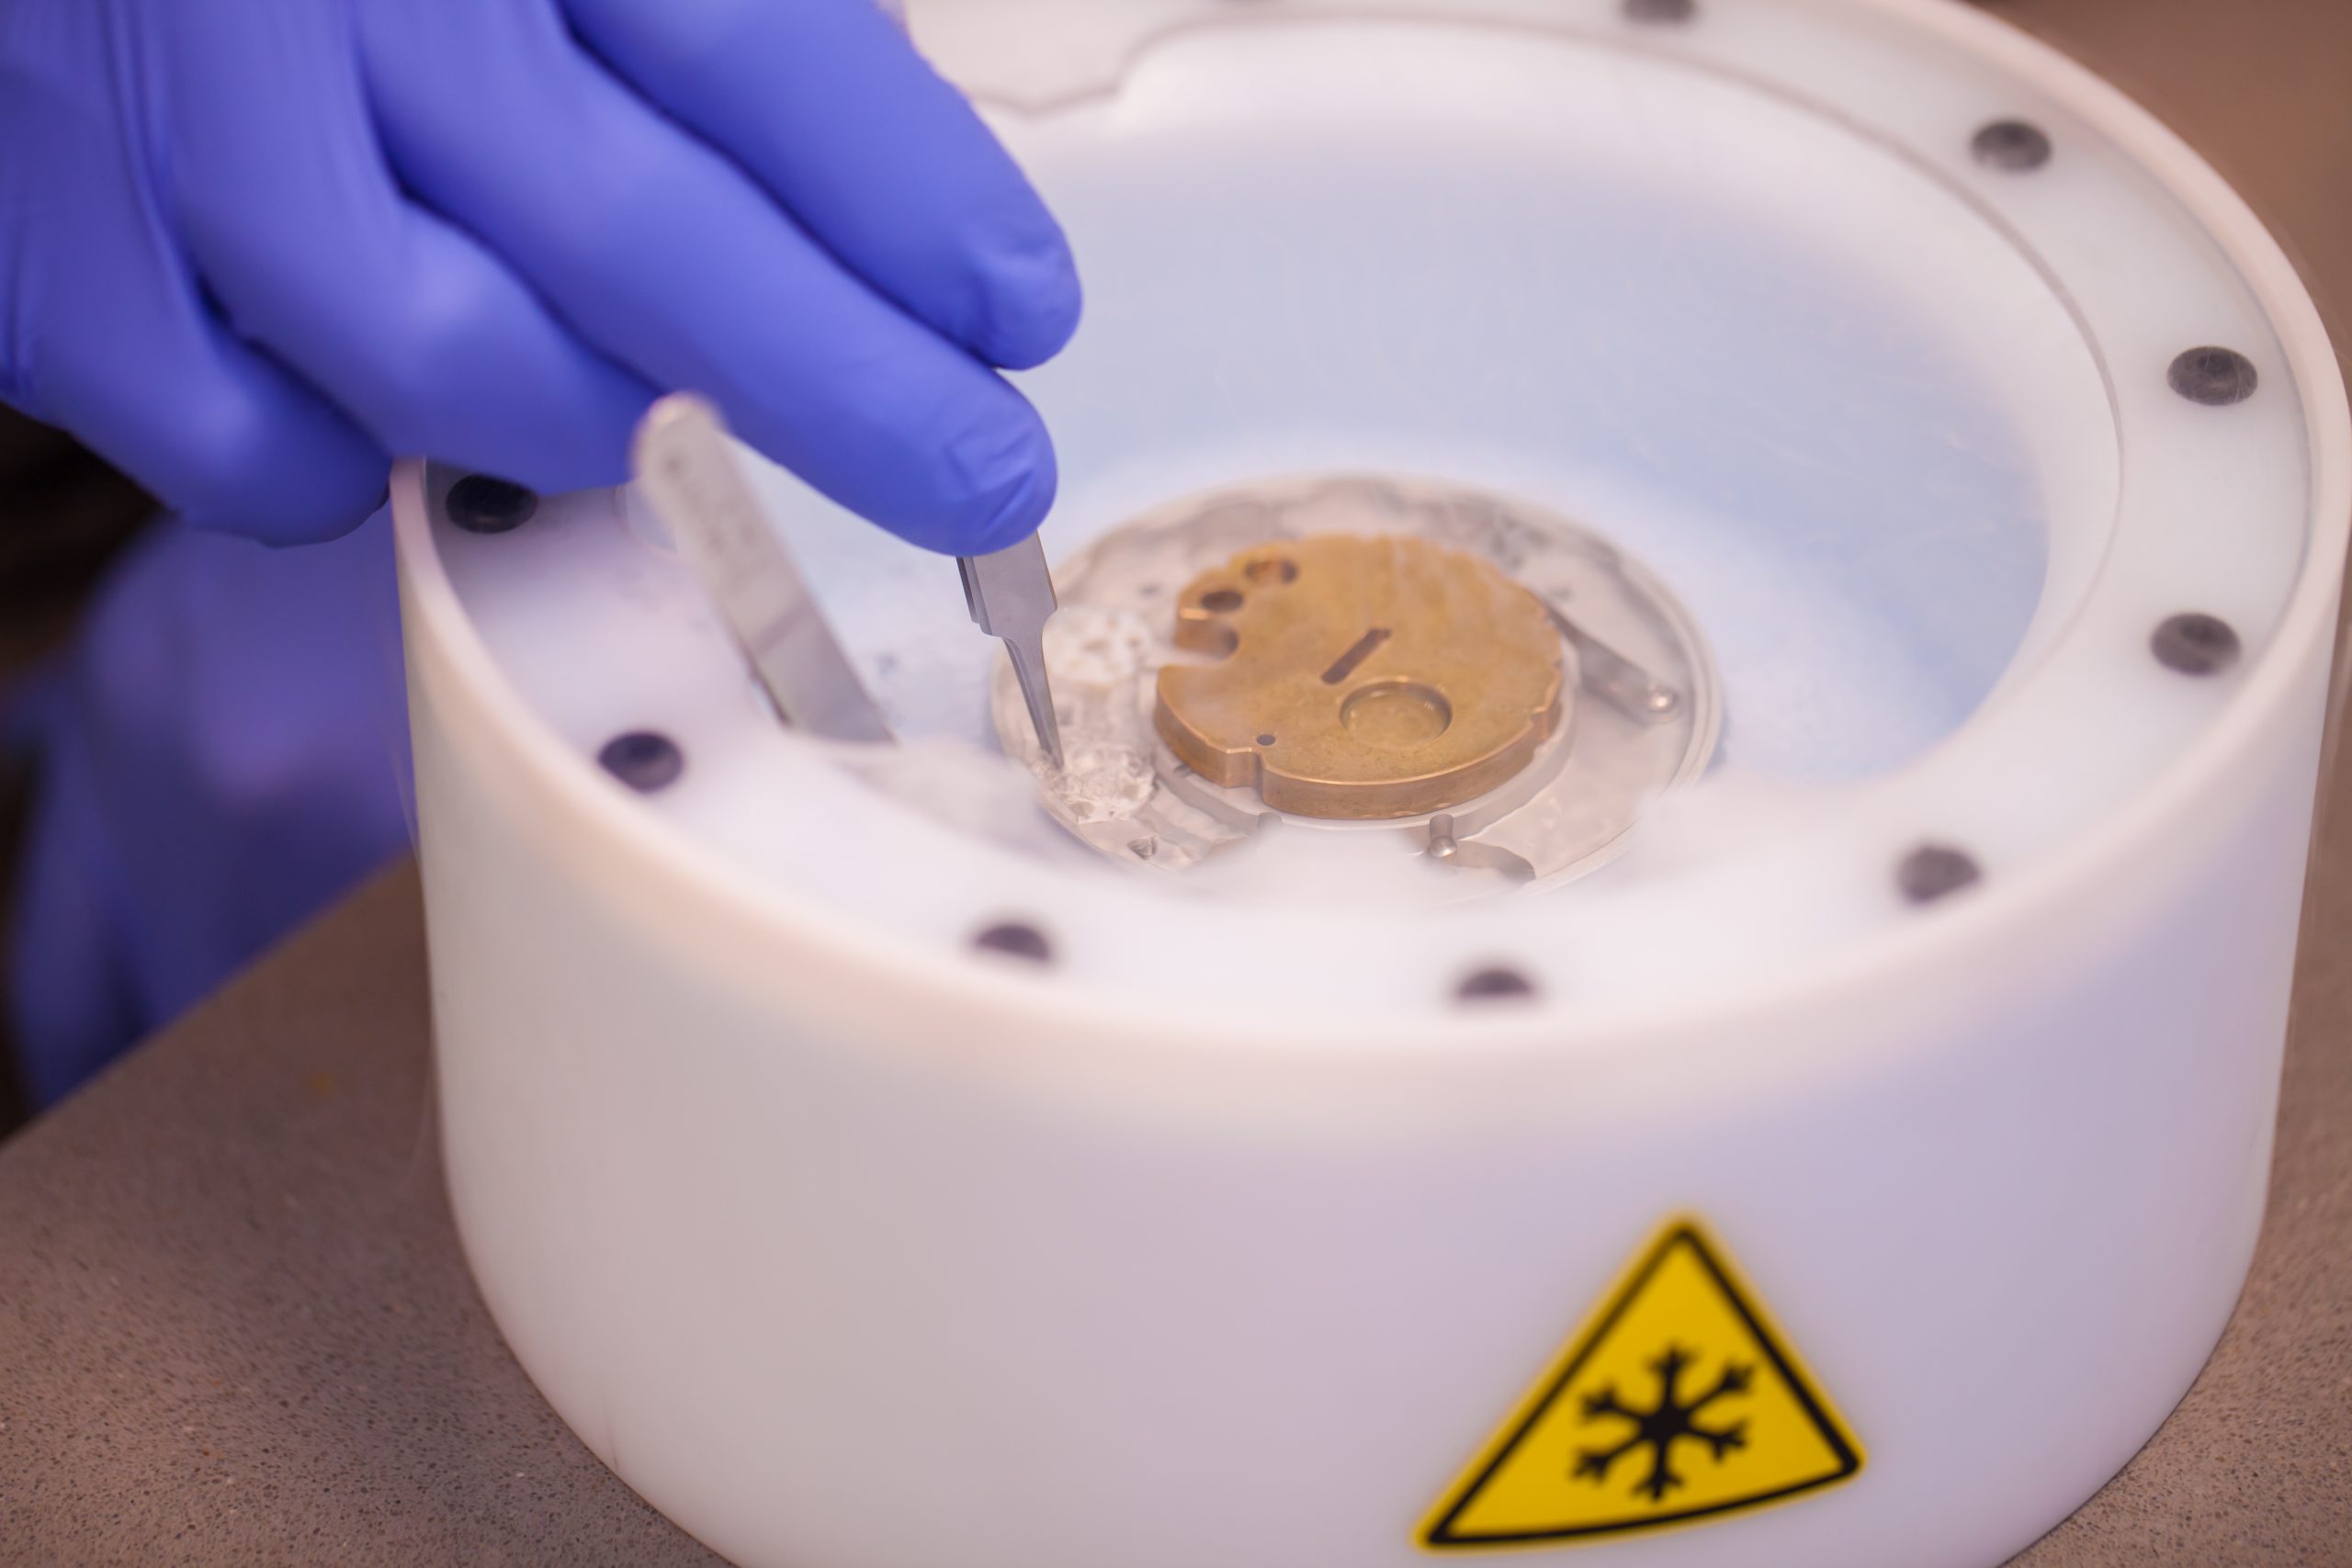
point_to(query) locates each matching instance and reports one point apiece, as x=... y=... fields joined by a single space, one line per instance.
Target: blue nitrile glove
x=249 y=247
x=222 y=751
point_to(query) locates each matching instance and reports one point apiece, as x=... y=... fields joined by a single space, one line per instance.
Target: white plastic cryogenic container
x=1853 y=1172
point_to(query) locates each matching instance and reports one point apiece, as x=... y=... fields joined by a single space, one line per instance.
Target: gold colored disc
x=1360 y=676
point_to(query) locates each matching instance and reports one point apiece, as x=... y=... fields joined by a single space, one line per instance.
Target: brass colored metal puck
x=1360 y=676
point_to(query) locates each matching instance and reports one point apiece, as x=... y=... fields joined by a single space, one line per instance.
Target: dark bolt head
x=2212 y=376
x=2195 y=644
x=2013 y=144
x=1015 y=939
x=643 y=759
x=481 y=504
x=1661 y=10
x=1934 y=871
x=1494 y=985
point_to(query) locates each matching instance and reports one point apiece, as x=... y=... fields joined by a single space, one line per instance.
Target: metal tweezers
x=687 y=471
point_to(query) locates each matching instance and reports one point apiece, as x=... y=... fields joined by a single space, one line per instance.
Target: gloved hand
x=222 y=751
x=248 y=248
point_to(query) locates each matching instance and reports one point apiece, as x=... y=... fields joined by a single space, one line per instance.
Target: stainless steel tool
x=1011 y=595
x=684 y=468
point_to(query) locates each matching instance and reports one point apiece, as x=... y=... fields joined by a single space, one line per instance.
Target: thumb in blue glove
x=248 y=248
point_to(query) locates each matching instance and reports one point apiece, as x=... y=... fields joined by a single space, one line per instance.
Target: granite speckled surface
x=235 y=1328
x=234 y=1323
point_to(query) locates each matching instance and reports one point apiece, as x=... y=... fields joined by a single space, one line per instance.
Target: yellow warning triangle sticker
x=1677 y=1402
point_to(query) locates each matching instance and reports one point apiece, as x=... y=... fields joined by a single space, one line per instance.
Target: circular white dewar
x=1853 y=1171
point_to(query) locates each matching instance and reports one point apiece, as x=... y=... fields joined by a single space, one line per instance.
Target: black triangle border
x=1439 y=1535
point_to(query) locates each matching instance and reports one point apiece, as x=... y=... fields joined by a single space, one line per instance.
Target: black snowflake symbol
x=1659 y=1427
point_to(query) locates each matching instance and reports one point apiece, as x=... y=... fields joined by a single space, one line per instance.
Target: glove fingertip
x=1019 y=510
x=1034 y=302
x=1000 y=484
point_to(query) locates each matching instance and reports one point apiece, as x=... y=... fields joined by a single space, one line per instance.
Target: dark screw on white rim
x=2212 y=376
x=2014 y=145
x=644 y=760
x=2195 y=644
x=481 y=504
x=1496 y=982
x=1935 y=870
x=1015 y=939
